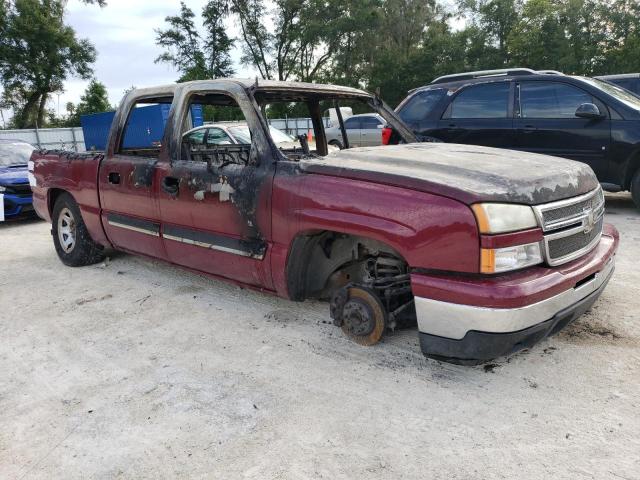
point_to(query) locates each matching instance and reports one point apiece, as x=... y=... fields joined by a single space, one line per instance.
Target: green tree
x=217 y=44
x=288 y=39
x=95 y=99
x=38 y=53
x=538 y=40
x=491 y=23
x=623 y=42
x=197 y=58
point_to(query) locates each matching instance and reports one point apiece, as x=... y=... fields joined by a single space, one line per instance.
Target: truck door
x=215 y=199
x=126 y=185
x=547 y=123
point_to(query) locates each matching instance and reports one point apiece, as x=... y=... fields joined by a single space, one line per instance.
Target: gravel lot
x=136 y=369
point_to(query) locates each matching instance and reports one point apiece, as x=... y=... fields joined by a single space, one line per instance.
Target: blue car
x=15 y=191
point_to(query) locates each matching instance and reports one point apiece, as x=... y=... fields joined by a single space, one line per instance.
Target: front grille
x=565 y=212
x=563 y=246
x=572 y=227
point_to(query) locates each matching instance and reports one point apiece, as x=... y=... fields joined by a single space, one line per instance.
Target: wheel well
x=321 y=262
x=54 y=194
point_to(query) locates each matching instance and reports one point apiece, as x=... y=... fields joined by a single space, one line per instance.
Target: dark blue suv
x=546 y=112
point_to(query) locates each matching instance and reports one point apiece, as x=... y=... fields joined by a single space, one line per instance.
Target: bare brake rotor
x=360 y=314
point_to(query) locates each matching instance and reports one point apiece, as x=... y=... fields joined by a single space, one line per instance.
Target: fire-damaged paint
x=367 y=228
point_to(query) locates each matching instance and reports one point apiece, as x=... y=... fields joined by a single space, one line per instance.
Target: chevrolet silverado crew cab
x=489 y=250
x=546 y=112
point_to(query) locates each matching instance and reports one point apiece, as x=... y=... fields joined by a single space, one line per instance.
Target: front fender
x=429 y=231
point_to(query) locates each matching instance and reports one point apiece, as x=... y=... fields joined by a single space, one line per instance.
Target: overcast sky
x=124 y=37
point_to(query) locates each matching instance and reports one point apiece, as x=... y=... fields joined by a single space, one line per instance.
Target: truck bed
x=55 y=171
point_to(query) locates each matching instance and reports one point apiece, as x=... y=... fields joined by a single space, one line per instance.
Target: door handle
x=114 y=178
x=171 y=185
x=529 y=129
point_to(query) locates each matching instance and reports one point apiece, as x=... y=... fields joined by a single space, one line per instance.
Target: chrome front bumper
x=454 y=321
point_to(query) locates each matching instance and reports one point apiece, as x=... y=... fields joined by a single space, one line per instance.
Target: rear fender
x=75 y=174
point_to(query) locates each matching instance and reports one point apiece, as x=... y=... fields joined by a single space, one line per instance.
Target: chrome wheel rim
x=66 y=230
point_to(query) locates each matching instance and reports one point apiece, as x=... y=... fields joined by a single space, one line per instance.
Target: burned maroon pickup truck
x=489 y=250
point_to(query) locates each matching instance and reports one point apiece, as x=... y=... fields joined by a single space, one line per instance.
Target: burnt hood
x=464 y=172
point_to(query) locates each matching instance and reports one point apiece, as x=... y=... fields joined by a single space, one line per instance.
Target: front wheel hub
x=360 y=314
x=358 y=318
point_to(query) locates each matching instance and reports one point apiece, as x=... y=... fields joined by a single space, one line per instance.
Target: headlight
x=503 y=217
x=495 y=260
x=2 y=189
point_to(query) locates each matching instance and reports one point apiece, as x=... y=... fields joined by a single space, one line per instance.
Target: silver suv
x=364 y=130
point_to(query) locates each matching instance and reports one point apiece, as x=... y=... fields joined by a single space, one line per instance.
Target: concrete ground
x=136 y=369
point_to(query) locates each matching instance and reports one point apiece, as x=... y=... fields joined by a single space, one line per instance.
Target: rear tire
x=72 y=241
x=635 y=189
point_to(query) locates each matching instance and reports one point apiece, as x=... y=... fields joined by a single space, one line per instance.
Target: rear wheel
x=635 y=189
x=72 y=241
x=336 y=143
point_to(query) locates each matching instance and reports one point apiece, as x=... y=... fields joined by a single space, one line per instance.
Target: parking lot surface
x=136 y=369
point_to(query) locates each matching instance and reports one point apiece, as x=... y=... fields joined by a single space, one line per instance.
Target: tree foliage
x=390 y=45
x=38 y=52
x=195 y=56
x=95 y=99
x=396 y=45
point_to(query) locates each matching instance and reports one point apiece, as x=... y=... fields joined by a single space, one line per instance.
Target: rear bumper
x=468 y=333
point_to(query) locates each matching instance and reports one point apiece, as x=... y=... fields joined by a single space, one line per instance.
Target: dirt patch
x=490 y=367
x=589 y=330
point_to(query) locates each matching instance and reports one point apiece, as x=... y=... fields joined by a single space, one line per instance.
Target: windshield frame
x=263 y=95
